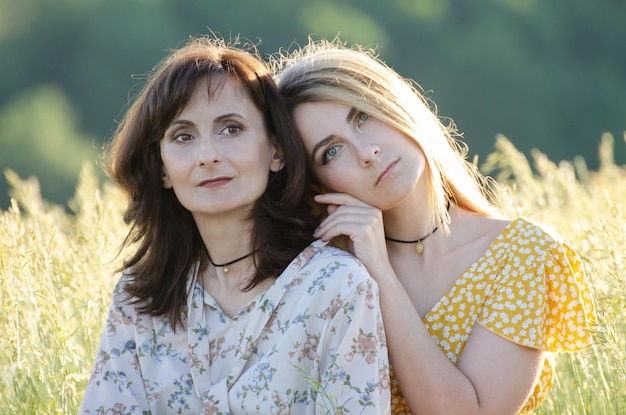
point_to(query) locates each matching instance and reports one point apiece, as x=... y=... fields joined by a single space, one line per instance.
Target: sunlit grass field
x=57 y=271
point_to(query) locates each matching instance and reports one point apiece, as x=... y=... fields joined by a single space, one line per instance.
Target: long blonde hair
x=331 y=71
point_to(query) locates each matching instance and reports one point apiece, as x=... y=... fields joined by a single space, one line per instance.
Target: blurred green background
x=547 y=74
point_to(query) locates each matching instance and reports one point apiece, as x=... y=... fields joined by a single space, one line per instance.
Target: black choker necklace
x=226 y=264
x=419 y=246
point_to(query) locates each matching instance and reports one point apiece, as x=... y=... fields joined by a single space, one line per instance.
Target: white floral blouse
x=313 y=343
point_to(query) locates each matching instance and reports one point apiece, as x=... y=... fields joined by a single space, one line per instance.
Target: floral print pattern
x=527 y=287
x=313 y=343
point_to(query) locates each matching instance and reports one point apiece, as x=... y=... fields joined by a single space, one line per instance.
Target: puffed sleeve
x=116 y=384
x=569 y=307
x=354 y=365
x=541 y=298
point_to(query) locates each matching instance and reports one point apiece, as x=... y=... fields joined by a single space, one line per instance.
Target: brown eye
x=183 y=137
x=231 y=130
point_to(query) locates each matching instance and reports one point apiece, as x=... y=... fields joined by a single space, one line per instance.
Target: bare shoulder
x=470 y=237
x=474 y=228
x=491 y=227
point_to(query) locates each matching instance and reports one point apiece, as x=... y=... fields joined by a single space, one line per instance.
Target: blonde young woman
x=475 y=304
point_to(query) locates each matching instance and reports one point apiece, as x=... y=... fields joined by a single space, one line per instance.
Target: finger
x=347 y=212
x=352 y=221
x=331 y=208
x=338 y=199
x=350 y=229
x=339 y=213
x=366 y=245
x=359 y=214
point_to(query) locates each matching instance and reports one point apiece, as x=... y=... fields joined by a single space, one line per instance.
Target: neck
x=225 y=266
x=226 y=240
x=409 y=219
x=235 y=276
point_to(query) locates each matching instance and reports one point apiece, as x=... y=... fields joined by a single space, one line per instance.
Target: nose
x=208 y=152
x=368 y=153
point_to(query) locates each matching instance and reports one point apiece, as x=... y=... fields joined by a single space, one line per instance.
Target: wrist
x=383 y=274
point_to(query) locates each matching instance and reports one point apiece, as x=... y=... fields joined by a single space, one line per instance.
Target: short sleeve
x=570 y=311
x=541 y=298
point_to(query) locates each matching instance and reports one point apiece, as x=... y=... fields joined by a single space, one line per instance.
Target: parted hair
x=167 y=240
x=352 y=75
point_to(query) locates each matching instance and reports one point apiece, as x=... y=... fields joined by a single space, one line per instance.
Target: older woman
x=227 y=305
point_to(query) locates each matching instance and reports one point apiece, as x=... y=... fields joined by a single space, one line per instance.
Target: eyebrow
x=218 y=118
x=229 y=115
x=179 y=121
x=331 y=137
x=321 y=144
x=351 y=114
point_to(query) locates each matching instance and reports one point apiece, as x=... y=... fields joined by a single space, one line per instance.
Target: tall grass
x=587 y=209
x=56 y=278
x=57 y=274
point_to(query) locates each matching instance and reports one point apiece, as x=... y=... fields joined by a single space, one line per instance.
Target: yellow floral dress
x=530 y=289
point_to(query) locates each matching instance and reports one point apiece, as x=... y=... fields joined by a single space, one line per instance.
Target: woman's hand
x=361 y=224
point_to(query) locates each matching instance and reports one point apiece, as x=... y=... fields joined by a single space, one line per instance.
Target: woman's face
x=216 y=153
x=354 y=153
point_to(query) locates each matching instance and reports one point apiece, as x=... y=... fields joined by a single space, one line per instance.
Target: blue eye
x=362 y=117
x=330 y=154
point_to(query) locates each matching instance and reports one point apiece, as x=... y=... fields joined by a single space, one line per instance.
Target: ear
x=277 y=163
x=167 y=183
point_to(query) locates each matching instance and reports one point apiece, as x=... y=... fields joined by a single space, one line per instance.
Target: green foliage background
x=547 y=74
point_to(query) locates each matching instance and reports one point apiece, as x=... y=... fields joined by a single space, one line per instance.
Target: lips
x=387 y=172
x=214 y=182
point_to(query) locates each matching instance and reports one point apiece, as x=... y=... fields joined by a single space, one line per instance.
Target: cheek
x=168 y=167
x=168 y=159
x=176 y=171
x=335 y=180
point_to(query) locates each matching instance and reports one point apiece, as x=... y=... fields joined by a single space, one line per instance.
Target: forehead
x=316 y=120
x=219 y=92
x=320 y=107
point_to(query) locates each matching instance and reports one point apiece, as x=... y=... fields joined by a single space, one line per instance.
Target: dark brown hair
x=168 y=241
